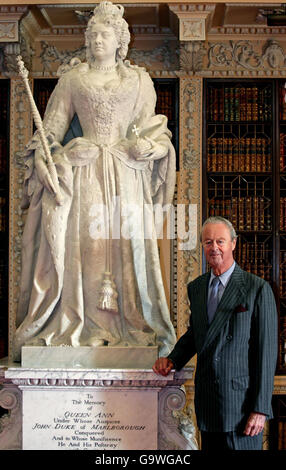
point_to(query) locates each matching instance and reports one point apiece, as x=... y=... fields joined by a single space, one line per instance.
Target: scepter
x=39 y=124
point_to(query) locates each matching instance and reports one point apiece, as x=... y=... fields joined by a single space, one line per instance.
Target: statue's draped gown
x=65 y=246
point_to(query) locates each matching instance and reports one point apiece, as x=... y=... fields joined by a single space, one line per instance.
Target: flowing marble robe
x=62 y=260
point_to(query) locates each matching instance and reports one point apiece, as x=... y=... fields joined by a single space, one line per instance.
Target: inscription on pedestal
x=89 y=419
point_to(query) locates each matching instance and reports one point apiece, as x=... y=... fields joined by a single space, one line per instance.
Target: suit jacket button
x=229 y=337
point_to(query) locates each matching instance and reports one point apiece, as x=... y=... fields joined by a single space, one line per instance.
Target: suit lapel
x=233 y=295
x=199 y=305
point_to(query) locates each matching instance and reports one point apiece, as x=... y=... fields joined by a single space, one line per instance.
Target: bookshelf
x=43 y=88
x=167 y=90
x=4 y=205
x=239 y=166
x=244 y=163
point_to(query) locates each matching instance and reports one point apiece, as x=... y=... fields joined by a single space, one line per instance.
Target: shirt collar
x=224 y=277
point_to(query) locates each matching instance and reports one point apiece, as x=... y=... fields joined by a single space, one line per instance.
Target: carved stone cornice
x=251 y=32
x=24 y=377
x=31 y=25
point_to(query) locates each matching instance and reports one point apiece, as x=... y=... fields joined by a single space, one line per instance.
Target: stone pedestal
x=88 y=357
x=95 y=409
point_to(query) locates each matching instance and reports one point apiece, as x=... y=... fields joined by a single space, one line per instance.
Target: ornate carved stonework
x=233 y=58
x=10 y=422
x=165 y=57
x=191 y=56
x=9 y=22
x=175 y=428
x=8 y=31
x=51 y=54
x=189 y=264
x=192 y=20
x=20 y=133
x=244 y=55
x=192 y=29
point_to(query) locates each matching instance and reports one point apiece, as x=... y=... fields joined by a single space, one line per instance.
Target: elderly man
x=233 y=331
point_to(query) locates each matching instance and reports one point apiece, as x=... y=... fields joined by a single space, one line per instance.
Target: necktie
x=213 y=299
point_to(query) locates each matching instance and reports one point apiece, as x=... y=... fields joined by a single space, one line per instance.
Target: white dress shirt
x=224 y=278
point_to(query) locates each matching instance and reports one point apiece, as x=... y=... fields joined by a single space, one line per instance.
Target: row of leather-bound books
x=42 y=99
x=254 y=257
x=165 y=103
x=282 y=286
x=283 y=213
x=282 y=151
x=283 y=338
x=248 y=154
x=258 y=268
x=282 y=104
x=246 y=213
x=239 y=103
x=282 y=280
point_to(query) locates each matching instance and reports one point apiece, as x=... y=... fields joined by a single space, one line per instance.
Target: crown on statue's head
x=108 y=9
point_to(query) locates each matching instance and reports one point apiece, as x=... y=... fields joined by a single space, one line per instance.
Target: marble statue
x=84 y=282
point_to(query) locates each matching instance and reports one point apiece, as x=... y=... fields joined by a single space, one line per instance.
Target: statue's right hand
x=43 y=172
x=163 y=366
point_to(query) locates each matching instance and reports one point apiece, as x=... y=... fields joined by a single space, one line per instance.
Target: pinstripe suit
x=236 y=353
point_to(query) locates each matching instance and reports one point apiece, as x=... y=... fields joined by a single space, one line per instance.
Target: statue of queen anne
x=77 y=288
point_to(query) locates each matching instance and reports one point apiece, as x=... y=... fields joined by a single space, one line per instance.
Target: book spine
x=242 y=104
x=226 y=104
x=248 y=213
x=241 y=213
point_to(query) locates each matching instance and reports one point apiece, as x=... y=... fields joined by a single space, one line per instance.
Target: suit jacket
x=236 y=354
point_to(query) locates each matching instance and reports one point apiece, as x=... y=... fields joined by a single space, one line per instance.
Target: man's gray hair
x=220 y=220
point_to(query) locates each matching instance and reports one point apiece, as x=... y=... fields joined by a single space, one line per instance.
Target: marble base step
x=104 y=357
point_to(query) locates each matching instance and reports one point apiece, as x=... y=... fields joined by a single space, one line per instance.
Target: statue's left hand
x=148 y=149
